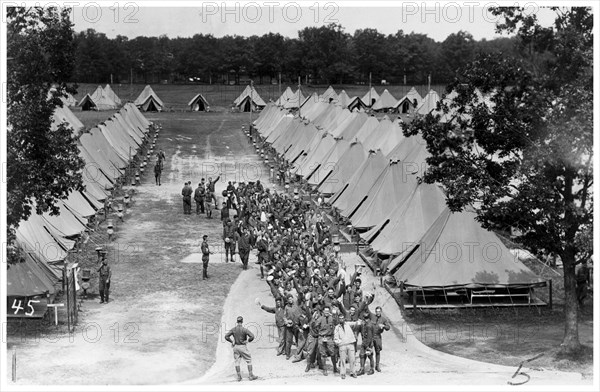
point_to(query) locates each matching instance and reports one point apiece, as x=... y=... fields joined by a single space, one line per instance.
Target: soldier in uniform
x=104 y=274
x=161 y=157
x=380 y=324
x=199 y=198
x=210 y=190
x=157 y=172
x=278 y=310
x=241 y=336
x=244 y=246
x=186 y=192
x=366 y=348
x=205 y=255
x=326 y=324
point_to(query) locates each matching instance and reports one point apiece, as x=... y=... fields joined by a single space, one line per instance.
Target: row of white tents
x=104 y=98
x=411 y=102
x=369 y=171
x=45 y=240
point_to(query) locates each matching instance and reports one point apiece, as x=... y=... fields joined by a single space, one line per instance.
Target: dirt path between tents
x=166 y=325
x=154 y=330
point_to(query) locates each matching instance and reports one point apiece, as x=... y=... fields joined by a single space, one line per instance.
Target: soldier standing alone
x=105 y=274
x=241 y=336
x=205 y=255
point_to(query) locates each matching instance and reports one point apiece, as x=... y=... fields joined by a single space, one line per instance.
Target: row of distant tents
x=369 y=171
x=105 y=98
x=411 y=102
x=45 y=240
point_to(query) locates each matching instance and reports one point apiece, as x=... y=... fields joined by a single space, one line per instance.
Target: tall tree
x=519 y=144
x=43 y=165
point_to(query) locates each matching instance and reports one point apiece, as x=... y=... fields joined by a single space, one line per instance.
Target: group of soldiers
x=204 y=196
x=319 y=308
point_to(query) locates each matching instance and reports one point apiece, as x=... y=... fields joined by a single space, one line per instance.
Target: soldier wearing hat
x=241 y=336
x=199 y=198
x=104 y=273
x=205 y=256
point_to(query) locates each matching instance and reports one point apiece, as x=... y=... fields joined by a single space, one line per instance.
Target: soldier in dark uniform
x=229 y=237
x=157 y=172
x=161 y=157
x=199 y=198
x=366 y=348
x=326 y=323
x=210 y=191
x=104 y=273
x=278 y=310
x=241 y=336
x=244 y=246
x=186 y=192
x=380 y=323
x=205 y=255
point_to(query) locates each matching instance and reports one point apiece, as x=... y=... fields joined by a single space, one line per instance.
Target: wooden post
x=550 y=293
x=14 y=365
x=414 y=300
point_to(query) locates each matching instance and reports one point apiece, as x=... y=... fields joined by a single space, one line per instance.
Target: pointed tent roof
x=356 y=103
x=328 y=165
x=367 y=128
x=386 y=101
x=285 y=96
x=64 y=114
x=301 y=154
x=77 y=204
x=315 y=157
x=368 y=99
x=410 y=97
x=98 y=100
x=351 y=160
x=32 y=234
x=429 y=102
x=457 y=252
x=109 y=92
x=303 y=141
x=360 y=183
x=343 y=99
x=147 y=97
x=328 y=95
x=246 y=94
x=198 y=99
x=407 y=223
x=292 y=102
x=309 y=102
x=392 y=187
x=379 y=135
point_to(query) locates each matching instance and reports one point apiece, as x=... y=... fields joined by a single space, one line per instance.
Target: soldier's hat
x=204 y=236
x=240 y=319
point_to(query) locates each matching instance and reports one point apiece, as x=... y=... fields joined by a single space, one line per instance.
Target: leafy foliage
x=42 y=158
x=516 y=140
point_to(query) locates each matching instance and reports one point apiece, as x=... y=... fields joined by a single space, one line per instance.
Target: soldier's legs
x=289 y=340
x=204 y=269
x=202 y=205
x=106 y=291
x=101 y=286
x=281 y=335
x=227 y=251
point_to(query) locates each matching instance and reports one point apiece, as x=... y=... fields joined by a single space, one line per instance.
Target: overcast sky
x=257 y=18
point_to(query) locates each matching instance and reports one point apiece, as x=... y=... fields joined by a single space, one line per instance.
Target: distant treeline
x=323 y=55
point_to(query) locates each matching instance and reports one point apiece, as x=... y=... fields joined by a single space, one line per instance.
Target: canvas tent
x=385 y=101
x=456 y=252
x=98 y=100
x=329 y=95
x=370 y=97
x=356 y=103
x=199 y=103
x=343 y=99
x=249 y=100
x=429 y=103
x=148 y=101
x=409 y=103
x=109 y=92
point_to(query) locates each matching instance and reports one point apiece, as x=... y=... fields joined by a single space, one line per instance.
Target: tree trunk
x=570 y=343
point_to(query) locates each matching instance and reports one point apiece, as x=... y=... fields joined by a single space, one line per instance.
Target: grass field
x=220 y=97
